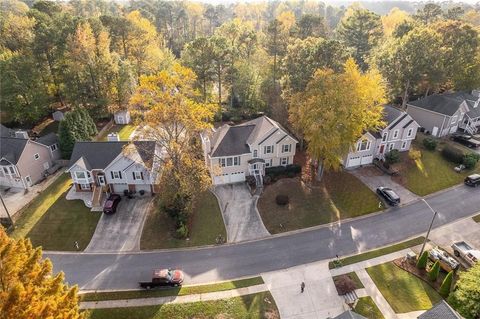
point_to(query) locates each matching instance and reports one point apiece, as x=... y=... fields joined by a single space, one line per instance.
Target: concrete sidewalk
x=173 y=299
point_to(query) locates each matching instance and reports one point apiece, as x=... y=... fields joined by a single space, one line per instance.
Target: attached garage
x=229 y=178
x=366 y=160
x=118 y=188
x=145 y=187
x=354 y=161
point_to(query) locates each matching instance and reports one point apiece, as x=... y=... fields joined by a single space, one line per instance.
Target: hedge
x=283 y=170
x=453 y=154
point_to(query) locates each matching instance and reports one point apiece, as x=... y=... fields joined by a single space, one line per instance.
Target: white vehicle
x=467 y=252
x=447 y=263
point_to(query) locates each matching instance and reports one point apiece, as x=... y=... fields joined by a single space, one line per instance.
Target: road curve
x=123 y=271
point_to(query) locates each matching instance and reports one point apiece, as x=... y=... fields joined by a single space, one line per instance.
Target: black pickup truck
x=164 y=278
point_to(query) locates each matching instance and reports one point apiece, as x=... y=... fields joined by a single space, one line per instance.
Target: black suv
x=472 y=180
x=389 y=195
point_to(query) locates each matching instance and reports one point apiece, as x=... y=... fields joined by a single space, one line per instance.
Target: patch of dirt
x=421 y=273
x=344 y=284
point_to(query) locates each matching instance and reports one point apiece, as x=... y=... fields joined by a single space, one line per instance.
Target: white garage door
x=366 y=159
x=354 y=161
x=229 y=178
x=119 y=188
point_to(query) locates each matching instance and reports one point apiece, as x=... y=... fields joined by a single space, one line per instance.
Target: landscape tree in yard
x=422 y=261
x=446 y=285
x=167 y=103
x=335 y=110
x=76 y=126
x=465 y=298
x=28 y=288
x=434 y=271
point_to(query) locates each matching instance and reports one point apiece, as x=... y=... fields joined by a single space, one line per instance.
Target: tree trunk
x=405 y=95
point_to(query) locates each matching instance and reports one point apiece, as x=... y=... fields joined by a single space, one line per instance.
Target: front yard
x=255 y=306
x=403 y=291
x=340 y=195
x=206 y=224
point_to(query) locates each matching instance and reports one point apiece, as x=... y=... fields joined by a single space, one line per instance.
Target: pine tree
x=422 y=261
x=434 y=271
x=28 y=288
x=446 y=285
x=76 y=126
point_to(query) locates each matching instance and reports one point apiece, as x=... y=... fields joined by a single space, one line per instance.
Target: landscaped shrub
x=282 y=200
x=430 y=143
x=283 y=170
x=422 y=261
x=446 y=285
x=250 y=179
x=453 y=154
x=392 y=157
x=470 y=160
x=434 y=271
x=267 y=180
x=182 y=231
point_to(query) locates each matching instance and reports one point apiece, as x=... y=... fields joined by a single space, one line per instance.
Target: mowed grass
x=378 y=252
x=367 y=308
x=31 y=214
x=339 y=196
x=205 y=225
x=431 y=173
x=123 y=131
x=255 y=306
x=403 y=291
x=182 y=291
x=65 y=222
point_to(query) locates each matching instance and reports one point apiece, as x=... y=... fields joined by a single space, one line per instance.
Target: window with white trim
x=36 y=156
x=384 y=137
x=410 y=132
x=395 y=133
x=284 y=161
x=229 y=161
x=390 y=146
x=80 y=175
x=404 y=145
x=286 y=148
x=137 y=175
x=53 y=147
x=116 y=174
x=85 y=186
x=454 y=119
x=222 y=162
x=255 y=153
x=268 y=149
x=363 y=145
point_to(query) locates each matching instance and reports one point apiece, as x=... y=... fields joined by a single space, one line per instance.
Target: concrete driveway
x=240 y=214
x=373 y=178
x=122 y=230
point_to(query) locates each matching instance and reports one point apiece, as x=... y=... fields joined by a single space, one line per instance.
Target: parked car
x=389 y=195
x=164 y=278
x=466 y=252
x=466 y=139
x=446 y=262
x=110 y=206
x=472 y=180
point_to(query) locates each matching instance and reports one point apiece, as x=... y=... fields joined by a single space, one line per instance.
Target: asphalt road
x=123 y=270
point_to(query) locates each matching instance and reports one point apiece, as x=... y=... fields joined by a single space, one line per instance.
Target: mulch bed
x=421 y=273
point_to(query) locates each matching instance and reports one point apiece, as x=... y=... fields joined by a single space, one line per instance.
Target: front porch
x=256 y=168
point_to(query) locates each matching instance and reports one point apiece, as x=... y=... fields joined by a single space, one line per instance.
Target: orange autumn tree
x=28 y=289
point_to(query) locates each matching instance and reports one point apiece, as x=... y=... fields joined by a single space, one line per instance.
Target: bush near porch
x=339 y=195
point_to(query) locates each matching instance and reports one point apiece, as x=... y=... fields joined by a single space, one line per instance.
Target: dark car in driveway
x=472 y=180
x=465 y=139
x=389 y=195
x=164 y=278
x=110 y=206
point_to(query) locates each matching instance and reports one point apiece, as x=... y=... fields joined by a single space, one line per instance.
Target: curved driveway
x=124 y=270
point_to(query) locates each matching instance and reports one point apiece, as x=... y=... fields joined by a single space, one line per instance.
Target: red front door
x=382 y=148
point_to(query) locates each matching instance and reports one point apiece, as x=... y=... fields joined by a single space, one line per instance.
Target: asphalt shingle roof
x=6 y=132
x=49 y=139
x=391 y=113
x=234 y=142
x=440 y=311
x=349 y=315
x=11 y=148
x=446 y=104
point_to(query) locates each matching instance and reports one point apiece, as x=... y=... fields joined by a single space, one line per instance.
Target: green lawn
x=339 y=196
x=65 y=222
x=403 y=291
x=367 y=308
x=123 y=131
x=31 y=214
x=431 y=173
x=255 y=306
x=476 y=218
x=378 y=252
x=205 y=225
x=182 y=291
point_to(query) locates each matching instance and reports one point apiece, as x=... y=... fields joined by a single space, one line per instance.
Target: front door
x=101 y=180
x=382 y=149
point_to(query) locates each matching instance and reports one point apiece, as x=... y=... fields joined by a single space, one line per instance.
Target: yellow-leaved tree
x=28 y=289
x=335 y=110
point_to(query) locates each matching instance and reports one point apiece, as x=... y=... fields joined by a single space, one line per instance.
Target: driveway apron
x=122 y=230
x=240 y=214
x=373 y=178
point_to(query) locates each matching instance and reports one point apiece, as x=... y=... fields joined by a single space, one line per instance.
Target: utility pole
x=6 y=210
x=429 y=228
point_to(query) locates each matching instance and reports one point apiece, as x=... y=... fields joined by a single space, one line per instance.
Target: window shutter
x=111 y=173
x=133 y=173
x=120 y=174
x=141 y=175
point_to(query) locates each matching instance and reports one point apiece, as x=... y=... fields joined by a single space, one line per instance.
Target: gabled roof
x=98 y=155
x=447 y=104
x=441 y=310
x=48 y=140
x=349 y=315
x=12 y=148
x=234 y=141
x=6 y=132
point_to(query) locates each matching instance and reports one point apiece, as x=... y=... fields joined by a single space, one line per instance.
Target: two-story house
x=234 y=152
x=23 y=162
x=399 y=132
x=443 y=114
x=115 y=167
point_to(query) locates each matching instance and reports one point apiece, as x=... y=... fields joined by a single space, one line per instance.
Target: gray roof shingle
x=234 y=142
x=11 y=148
x=446 y=104
x=6 y=132
x=49 y=139
x=391 y=113
x=441 y=310
x=349 y=315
